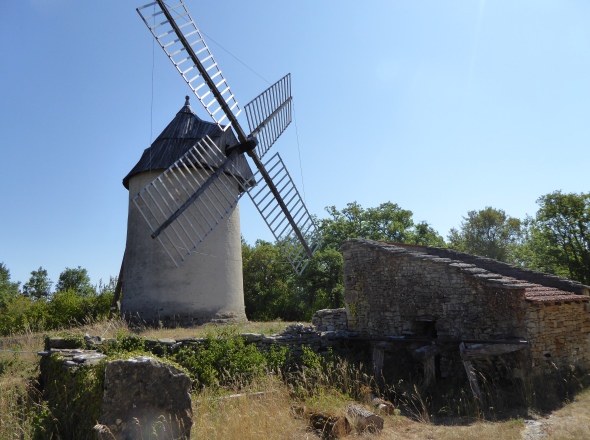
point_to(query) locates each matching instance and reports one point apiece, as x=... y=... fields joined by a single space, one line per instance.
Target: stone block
x=143 y=395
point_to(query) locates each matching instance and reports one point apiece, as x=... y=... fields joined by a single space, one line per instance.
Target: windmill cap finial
x=187 y=100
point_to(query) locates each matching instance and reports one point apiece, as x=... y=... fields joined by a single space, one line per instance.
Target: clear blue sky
x=440 y=106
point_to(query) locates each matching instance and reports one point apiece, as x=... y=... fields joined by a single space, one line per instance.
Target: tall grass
x=20 y=405
x=262 y=411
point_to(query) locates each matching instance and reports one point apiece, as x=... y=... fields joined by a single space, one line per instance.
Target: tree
x=558 y=237
x=107 y=288
x=76 y=280
x=8 y=289
x=488 y=233
x=39 y=285
x=387 y=222
x=322 y=282
x=268 y=283
x=423 y=234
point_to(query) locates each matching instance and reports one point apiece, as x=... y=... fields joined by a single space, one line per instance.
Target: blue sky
x=440 y=106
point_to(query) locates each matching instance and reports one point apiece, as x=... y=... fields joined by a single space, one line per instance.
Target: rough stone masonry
x=396 y=290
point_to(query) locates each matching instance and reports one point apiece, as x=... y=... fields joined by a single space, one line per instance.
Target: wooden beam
x=378 y=359
x=468 y=365
x=479 y=351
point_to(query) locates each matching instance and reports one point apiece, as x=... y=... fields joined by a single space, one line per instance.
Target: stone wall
x=559 y=335
x=330 y=320
x=390 y=291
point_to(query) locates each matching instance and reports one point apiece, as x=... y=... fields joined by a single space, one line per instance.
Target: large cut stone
x=142 y=396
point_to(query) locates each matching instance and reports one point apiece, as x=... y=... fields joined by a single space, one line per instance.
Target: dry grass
x=250 y=416
x=571 y=422
x=16 y=373
x=268 y=328
x=402 y=428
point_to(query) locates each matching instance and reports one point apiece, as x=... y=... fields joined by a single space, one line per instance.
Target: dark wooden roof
x=184 y=131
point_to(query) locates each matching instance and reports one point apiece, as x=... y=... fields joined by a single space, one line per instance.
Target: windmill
x=192 y=206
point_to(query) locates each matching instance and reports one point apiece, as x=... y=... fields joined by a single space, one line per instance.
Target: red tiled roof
x=544 y=294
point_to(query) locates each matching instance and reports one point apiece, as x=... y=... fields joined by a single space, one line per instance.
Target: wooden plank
x=479 y=351
x=468 y=365
x=378 y=359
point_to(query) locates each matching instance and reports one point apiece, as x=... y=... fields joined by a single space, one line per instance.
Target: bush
x=22 y=313
x=222 y=361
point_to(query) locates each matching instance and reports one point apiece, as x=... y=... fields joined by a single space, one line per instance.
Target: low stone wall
x=330 y=320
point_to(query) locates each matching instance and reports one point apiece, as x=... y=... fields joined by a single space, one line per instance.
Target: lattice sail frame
x=275 y=218
x=167 y=194
x=270 y=113
x=173 y=46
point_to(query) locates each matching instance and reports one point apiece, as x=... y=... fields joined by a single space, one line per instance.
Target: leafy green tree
x=8 y=289
x=39 y=285
x=488 y=233
x=20 y=313
x=423 y=234
x=386 y=222
x=76 y=280
x=109 y=287
x=321 y=284
x=558 y=237
x=268 y=283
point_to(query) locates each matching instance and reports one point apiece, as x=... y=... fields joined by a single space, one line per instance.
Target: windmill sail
x=172 y=218
x=187 y=201
x=269 y=114
x=299 y=242
x=177 y=34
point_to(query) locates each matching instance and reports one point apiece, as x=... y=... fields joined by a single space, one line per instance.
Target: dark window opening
x=425 y=329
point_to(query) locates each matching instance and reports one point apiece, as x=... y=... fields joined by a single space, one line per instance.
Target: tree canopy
x=558 y=237
x=386 y=222
x=39 y=285
x=75 y=279
x=488 y=233
x=8 y=289
x=273 y=290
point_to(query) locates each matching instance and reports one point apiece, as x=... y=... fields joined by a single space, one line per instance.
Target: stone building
x=400 y=292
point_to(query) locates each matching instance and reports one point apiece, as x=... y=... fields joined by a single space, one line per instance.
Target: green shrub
x=21 y=313
x=277 y=358
x=130 y=343
x=223 y=360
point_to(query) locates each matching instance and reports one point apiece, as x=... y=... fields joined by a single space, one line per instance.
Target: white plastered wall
x=207 y=286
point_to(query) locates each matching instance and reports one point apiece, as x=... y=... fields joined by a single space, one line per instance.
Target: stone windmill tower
x=184 y=190
x=209 y=285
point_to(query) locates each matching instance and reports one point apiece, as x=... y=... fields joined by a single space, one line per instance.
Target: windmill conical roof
x=184 y=131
